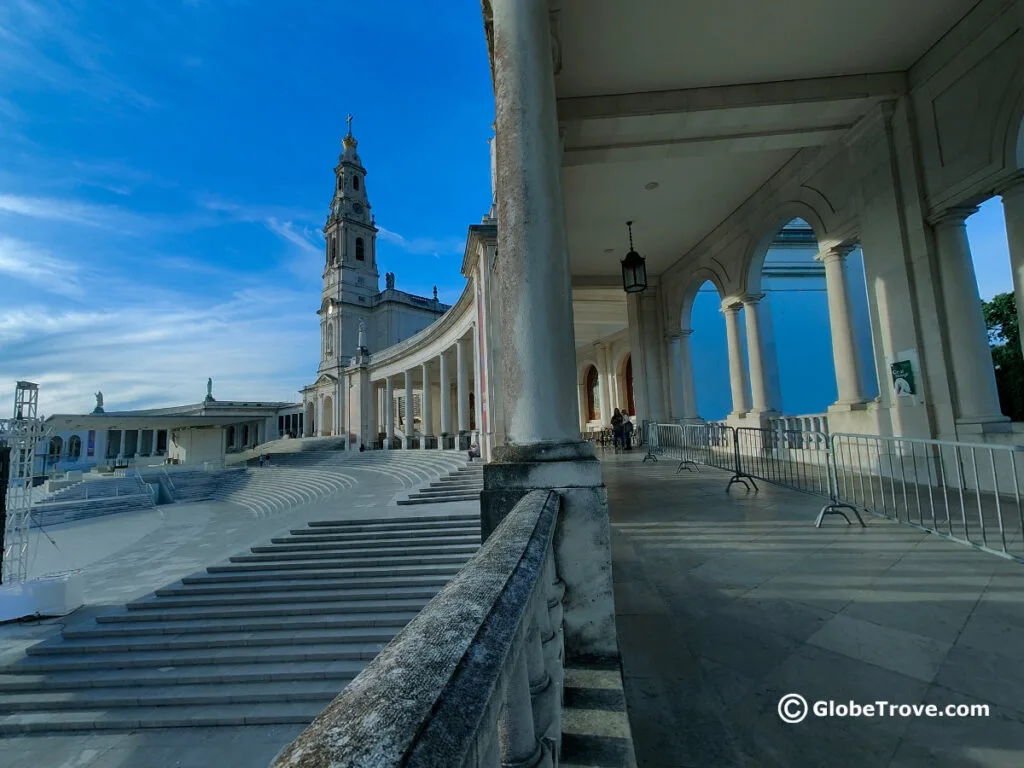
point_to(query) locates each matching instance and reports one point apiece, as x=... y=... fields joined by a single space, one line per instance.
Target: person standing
x=617 y=428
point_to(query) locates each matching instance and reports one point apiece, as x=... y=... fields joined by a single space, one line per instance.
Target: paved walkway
x=727 y=602
x=124 y=557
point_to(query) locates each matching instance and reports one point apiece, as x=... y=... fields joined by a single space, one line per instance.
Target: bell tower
x=350 y=278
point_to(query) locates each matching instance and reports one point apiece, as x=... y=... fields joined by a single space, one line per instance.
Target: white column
x=844 y=343
x=1013 y=212
x=977 y=398
x=581 y=395
x=446 y=423
x=410 y=419
x=389 y=420
x=686 y=367
x=602 y=384
x=756 y=354
x=737 y=366
x=478 y=398
x=462 y=385
x=675 y=374
x=428 y=425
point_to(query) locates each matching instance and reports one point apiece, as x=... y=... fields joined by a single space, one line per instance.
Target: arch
x=74 y=447
x=309 y=426
x=1008 y=134
x=231 y=437
x=764 y=233
x=584 y=369
x=593 y=384
x=328 y=416
x=355 y=182
x=330 y=339
x=360 y=249
x=699 y=276
x=56 y=446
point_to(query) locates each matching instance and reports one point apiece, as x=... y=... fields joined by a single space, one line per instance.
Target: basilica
x=351 y=298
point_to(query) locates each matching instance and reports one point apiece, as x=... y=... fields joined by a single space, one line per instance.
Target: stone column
x=478 y=394
x=602 y=384
x=581 y=395
x=675 y=356
x=977 y=399
x=1013 y=211
x=409 y=410
x=389 y=418
x=446 y=386
x=686 y=375
x=543 y=450
x=737 y=367
x=428 y=424
x=844 y=343
x=757 y=354
x=462 y=385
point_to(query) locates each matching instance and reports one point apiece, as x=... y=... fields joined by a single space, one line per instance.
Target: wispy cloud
x=40 y=44
x=287 y=230
x=55 y=209
x=424 y=246
x=34 y=265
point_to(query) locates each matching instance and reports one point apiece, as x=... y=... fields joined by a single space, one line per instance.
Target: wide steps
x=343 y=549
x=210 y=675
x=319 y=569
x=175 y=695
x=437 y=500
x=130 y=719
x=264 y=610
x=241 y=624
x=306 y=585
x=295 y=599
x=380 y=538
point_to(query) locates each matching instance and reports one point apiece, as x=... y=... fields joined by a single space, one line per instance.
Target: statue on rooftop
x=389 y=280
x=209 y=390
x=99 y=403
x=362 y=334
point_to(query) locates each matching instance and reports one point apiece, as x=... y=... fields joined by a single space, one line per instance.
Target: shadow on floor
x=727 y=602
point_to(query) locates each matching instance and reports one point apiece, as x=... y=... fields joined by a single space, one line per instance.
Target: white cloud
x=72 y=211
x=287 y=230
x=424 y=245
x=34 y=265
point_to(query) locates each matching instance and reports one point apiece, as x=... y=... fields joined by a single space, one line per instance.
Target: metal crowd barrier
x=965 y=492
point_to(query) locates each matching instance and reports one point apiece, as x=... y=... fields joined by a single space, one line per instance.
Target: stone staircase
x=267 y=637
x=464 y=484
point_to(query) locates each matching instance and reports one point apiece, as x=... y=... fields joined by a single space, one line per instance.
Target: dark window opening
x=355 y=182
x=360 y=250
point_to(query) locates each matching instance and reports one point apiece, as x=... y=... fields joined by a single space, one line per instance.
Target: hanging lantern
x=634 y=268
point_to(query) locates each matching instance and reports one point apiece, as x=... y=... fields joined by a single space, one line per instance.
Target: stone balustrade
x=474 y=680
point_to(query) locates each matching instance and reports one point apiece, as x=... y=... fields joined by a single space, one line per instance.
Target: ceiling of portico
x=609 y=46
x=710 y=100
x=598 y=312
x=667 y=221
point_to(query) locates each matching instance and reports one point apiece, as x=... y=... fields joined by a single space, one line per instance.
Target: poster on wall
x=903 y=378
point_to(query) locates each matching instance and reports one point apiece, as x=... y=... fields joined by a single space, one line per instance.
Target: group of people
x=622 y=431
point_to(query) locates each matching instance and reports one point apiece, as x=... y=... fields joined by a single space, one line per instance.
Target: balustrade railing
x=475 y=679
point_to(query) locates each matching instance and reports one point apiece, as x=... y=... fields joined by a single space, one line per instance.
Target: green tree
x=1007 y=358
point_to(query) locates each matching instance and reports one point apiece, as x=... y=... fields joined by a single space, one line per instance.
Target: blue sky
x=165 y=167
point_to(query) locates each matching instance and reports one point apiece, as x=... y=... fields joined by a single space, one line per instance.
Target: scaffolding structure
x=21 y=434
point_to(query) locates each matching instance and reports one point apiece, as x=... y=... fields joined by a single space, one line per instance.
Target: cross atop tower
x=349 y=121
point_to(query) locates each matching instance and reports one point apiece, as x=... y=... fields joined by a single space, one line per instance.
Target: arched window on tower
x=330 y=339
x=360 y=250
x=355 y=182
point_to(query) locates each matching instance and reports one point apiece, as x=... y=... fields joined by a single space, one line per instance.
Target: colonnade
x=452 y=418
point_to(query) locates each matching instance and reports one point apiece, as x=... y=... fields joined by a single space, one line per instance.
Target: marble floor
x=727 y=602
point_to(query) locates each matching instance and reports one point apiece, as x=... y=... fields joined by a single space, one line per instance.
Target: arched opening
x=355 y=182
x=709 y=353
x=360 y=250
x=593 y=395
x=74 y=447
x=245 y=435
x=231 y=437
x=328 y=416
x=56 y=446
x=990 y=254
x=309 y=425
x=330 y=339
x=627 y=377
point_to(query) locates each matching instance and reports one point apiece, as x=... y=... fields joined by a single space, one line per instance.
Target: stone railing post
x=520 y=746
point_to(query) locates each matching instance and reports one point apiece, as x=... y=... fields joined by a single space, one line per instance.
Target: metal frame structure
x=21 y=434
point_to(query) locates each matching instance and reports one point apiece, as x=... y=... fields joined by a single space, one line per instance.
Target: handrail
x=485 y=656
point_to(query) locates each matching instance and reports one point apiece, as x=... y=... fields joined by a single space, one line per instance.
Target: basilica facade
x=351 y=297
